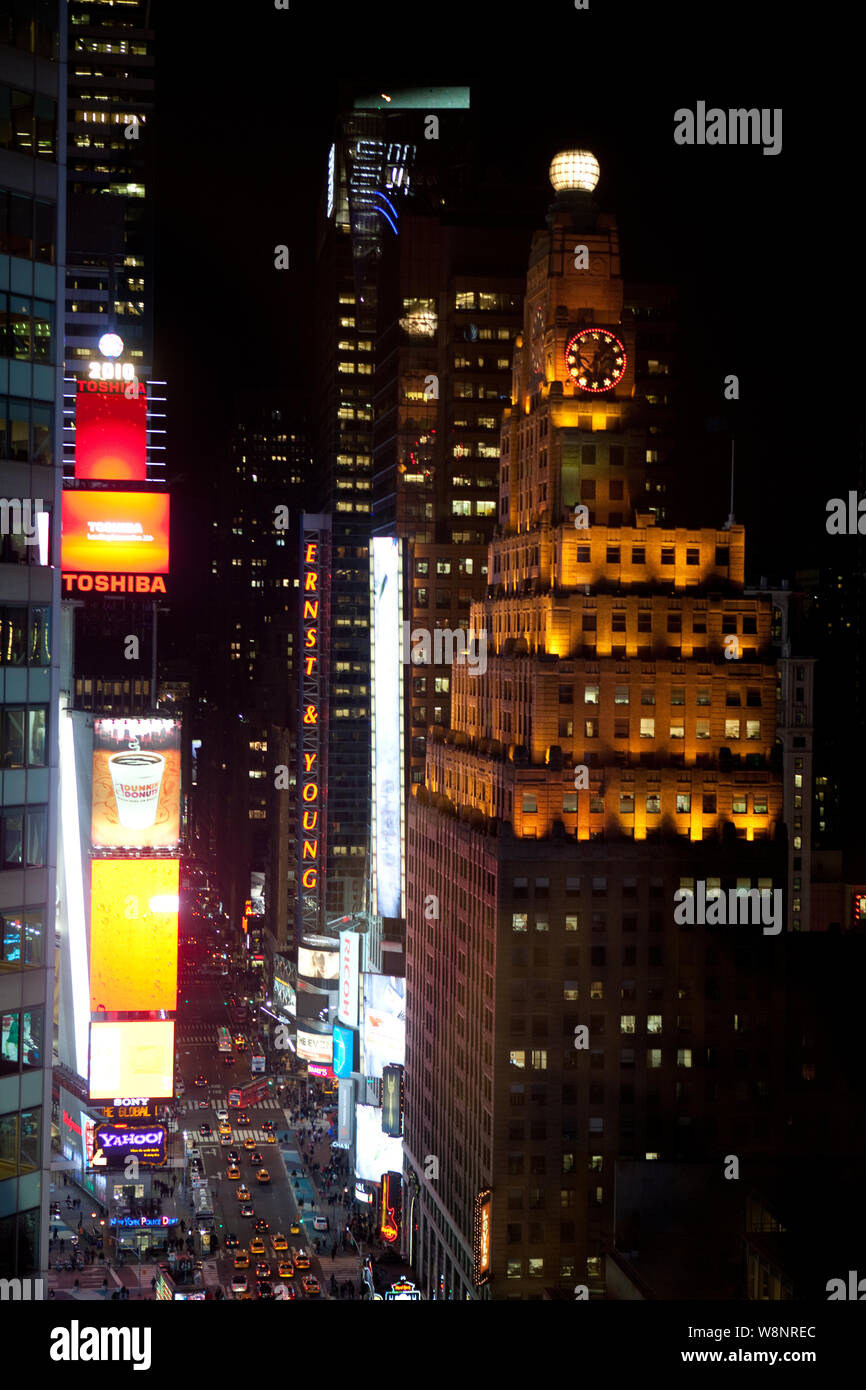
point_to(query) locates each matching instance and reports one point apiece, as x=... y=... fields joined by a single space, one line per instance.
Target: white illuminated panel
x=375 y=1152
x=384 y=1022
x=387 y=725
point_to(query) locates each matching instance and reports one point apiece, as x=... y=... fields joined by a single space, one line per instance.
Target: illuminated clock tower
x=618 y=747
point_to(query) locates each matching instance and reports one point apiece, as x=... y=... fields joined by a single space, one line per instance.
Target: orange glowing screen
x=133 y=936
x=132 y=1059
x=115 y=532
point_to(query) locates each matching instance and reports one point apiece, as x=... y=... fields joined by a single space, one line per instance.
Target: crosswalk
x=217 y=1101
x=199 y=1034
x=259 y=1137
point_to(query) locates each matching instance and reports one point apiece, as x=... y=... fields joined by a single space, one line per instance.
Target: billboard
x=345 y=1051
x=384 y=1023
x=133 y=935
x=392 y=1101
x=347 y=1009
x=111 y=430
x=318 y=965
x=315 y=1047
x=114 y=1144
x=482 y=1236
x=132 y=1059
x=386 y=620
x=375 y=1152
x=136 y=784
x=284 y=990
x=114 y=533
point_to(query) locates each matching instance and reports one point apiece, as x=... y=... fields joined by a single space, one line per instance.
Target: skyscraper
x=110 y=169
x=380 y=166
x=616 y=757
x=32 y=241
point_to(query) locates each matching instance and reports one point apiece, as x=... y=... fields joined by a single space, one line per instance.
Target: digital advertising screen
x=115 y=1143
x=387 y=673
x=132 y=1059
x=315 y=1047
x=392 y=1100
x=111 y=431
x=318 y=965
x=133 y=935
x=136 y=784
x=345 y=1051
x=375 y=1151
x=123 y=533
x=384 y=1023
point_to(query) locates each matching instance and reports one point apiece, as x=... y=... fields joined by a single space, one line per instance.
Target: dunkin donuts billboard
x=136 y=784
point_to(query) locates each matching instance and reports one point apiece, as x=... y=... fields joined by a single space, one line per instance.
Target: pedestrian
x=75 y=1285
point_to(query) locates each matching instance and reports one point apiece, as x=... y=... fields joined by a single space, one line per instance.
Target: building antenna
x=731 y=517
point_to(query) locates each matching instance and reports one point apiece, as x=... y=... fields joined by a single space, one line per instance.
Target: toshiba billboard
x=118 y=542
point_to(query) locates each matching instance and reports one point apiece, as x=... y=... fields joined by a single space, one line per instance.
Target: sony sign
x=347 y=1010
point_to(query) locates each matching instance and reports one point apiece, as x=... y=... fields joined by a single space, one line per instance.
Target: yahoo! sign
x=114 y=1142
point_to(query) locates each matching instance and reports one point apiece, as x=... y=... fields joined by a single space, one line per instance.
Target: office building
x=32 y=271
x=616 y=757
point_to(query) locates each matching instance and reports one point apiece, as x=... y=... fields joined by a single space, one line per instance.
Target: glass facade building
x=32 y=221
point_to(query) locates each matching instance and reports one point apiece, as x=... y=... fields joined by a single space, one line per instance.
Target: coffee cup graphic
x=136 y=780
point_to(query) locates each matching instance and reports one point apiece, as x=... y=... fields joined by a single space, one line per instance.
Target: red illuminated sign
x=111 y=430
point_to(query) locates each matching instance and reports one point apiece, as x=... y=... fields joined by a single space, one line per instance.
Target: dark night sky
x=244 y=120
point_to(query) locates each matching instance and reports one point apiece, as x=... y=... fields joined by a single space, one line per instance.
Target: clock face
x=595 y=359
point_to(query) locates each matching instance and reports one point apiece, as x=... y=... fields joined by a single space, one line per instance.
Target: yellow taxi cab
x=249 y=1143
x=242 y=1259
x=285 y=1269
x=225 y=1130
x=294 y=1229
x=233 y=1172
x=257 y=1246
x=270 y=1138
x=278 y=1241
x=300 y=1258
x=263 y=1175
x=243 y=1193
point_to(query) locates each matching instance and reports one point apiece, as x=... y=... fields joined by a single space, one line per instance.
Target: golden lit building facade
x=619 y=744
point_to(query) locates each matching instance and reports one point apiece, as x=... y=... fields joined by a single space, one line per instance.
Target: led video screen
x=133 y=935
x=114 y=532
x=136 y=784
x=110 y=431
x=318 y=965
x=132 y=1059
x=384 y=1022
x=375 y=1152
